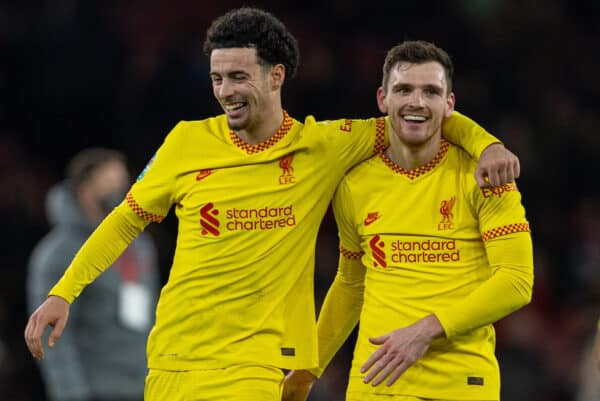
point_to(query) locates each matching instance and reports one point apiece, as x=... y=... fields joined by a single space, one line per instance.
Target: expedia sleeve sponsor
x=346 y=125
x=501 y=212
x=498 y=191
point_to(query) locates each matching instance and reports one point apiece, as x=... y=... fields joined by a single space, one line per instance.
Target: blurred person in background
x=589 y=370
x=250 y=188
x=101 y=356
x=596 y=348
x=428 y=259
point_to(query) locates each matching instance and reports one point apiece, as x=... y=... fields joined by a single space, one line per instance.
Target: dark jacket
x=101 y=353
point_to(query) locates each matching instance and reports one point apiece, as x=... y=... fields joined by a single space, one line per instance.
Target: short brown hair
x=417 y=52
x=83 y=164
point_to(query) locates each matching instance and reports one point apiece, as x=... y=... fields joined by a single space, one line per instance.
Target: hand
x=400 y=349
x=53 y=312
x=297 y=385
x=497 y=166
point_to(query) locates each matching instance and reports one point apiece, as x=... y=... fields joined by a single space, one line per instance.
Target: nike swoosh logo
x=371 y=219
x=203 y=174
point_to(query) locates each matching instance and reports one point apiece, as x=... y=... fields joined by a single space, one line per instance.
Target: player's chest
x=430 y=208
x=291 y=177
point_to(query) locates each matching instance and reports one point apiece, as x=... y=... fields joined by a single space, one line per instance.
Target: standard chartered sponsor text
x=424 y=251
x=265 y=218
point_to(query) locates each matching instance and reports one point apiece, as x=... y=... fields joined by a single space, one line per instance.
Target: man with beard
x=101 y=355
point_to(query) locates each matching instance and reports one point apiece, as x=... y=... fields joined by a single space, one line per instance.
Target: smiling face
x=416 y=99
x=248 y=91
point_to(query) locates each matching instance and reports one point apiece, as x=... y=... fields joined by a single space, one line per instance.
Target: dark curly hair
x=417 y=52
x=255 y=28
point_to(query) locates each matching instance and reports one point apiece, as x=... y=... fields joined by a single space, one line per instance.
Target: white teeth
x=415 y=118
x=233 y=106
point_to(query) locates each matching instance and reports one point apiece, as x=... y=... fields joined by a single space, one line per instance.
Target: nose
x=225 y=89
x=417 y=99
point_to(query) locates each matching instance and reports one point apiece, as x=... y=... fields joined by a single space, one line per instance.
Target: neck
x=409 y=156
x=268 y=126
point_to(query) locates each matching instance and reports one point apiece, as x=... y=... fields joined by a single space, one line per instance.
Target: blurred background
x=121 y=74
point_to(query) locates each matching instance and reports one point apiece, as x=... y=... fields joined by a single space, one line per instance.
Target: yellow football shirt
x=248 y=221
x=240 y=289
x=418 y=240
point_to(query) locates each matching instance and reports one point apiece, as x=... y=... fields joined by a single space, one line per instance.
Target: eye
x=216 y=79
x=431 y=91
x=403 y=90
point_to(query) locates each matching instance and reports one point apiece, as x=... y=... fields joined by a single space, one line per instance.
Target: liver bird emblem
x=446 y=209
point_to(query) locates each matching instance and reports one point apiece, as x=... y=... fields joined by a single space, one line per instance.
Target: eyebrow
x=437 y=88
x=230 y=73
x=400 y=85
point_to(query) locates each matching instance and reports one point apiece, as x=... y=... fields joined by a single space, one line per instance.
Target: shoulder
x=458 y=158
x=359 y=185
x=187 y=135
x=321 y=129
x=217 y=124
x=465 y=166
x=344 y=125
x=460 y=166
x=361 y=177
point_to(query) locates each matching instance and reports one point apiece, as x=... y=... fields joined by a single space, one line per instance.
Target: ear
x=381 y=100
x=450 y=101
x=277 y=76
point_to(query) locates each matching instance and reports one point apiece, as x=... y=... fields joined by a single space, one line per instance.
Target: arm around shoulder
x=466 y=133
x=497 y=165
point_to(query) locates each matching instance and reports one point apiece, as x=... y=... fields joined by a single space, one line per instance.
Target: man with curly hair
x=250 y=188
